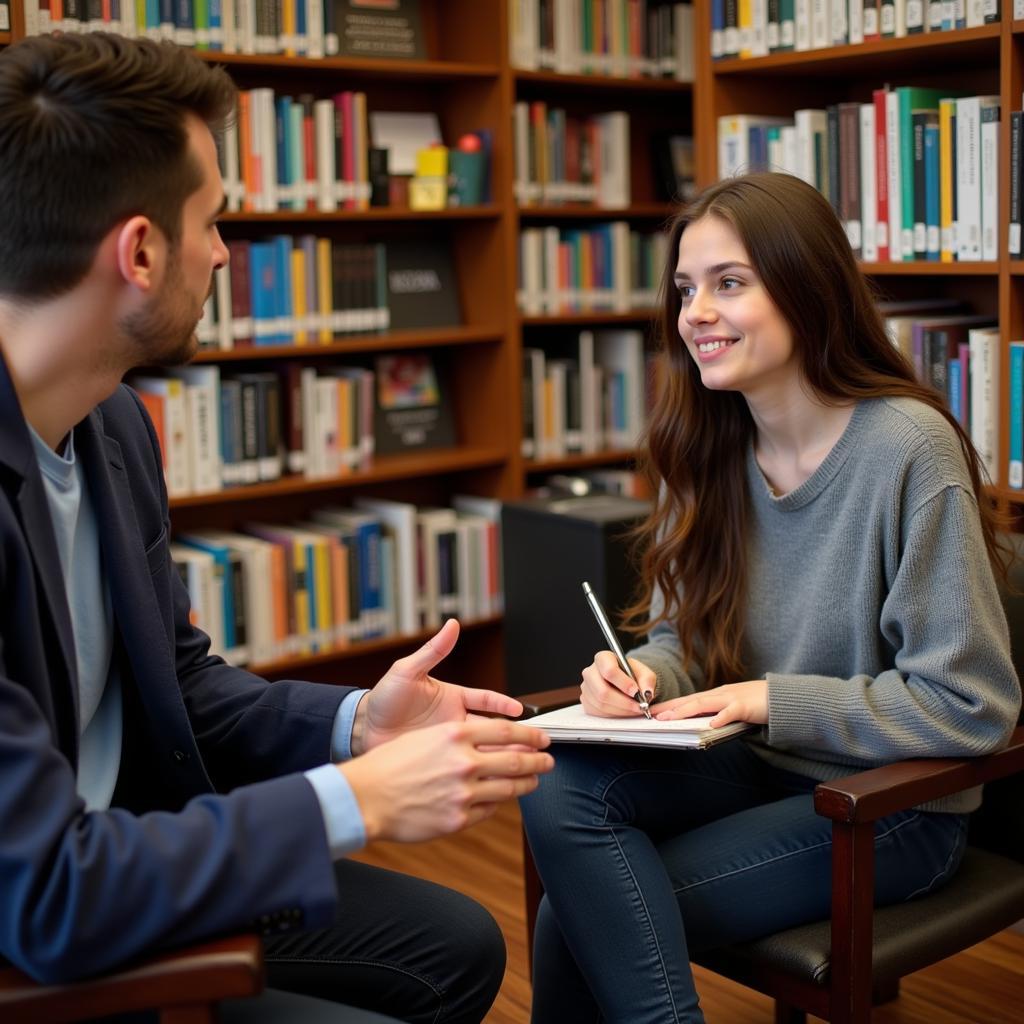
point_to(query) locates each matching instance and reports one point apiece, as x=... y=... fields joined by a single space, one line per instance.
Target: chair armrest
x=548 y=700
x=873 y=794
x=228 y=968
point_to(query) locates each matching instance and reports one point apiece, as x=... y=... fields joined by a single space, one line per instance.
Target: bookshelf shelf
x=441 y=337
x=354 y=67
x=910 y=53
x=5 y=38
x=570 y=462
x=362 y=648
x=635 y=211
x=1016 y=268
x=922 y=268
x=554 y=81
x=385 y=468
x=380 y=213
x=637 y=316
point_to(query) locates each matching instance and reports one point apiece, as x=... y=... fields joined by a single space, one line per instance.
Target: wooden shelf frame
x=353 y=344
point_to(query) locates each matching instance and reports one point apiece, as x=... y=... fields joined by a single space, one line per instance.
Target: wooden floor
x=984 y=985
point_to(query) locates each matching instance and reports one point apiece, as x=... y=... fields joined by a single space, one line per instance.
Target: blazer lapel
x=136 y=611
x=28 y=495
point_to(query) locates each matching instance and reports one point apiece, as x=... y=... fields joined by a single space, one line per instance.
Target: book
x=413 y=411
x=377 y=28
x=422 y=289
x=574 y=725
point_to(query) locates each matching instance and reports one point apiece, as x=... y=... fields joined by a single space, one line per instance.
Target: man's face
x=164 y=330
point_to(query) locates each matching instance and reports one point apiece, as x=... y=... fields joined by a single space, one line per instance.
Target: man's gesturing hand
x=408 y=697
x=438 y=779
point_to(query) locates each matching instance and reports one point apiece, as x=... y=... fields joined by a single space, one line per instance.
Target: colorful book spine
x=1016 y=467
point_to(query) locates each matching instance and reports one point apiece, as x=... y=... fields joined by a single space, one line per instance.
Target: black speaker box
x=549 y=547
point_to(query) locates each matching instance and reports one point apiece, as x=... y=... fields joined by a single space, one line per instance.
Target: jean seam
x=647 y=917
x=941 y=872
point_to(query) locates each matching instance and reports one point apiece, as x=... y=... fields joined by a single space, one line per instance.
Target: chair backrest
x=998 y=825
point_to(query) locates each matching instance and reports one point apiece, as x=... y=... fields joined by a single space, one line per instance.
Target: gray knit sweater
x=872 y=611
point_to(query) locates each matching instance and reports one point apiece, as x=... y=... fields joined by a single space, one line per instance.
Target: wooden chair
x=183 y=986
x=838 y=969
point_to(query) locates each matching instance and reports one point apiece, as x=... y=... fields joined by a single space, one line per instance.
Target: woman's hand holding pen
x=734 y=702
x=608 y=692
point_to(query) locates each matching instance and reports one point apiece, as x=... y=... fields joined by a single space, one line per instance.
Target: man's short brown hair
x=92 y=131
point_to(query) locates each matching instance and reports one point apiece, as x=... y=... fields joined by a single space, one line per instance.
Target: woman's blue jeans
x=648 y=854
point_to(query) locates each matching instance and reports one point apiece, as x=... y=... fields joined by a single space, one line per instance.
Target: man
x=151 y=795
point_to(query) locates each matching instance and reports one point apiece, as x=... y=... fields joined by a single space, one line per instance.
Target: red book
x=241 y=298
x=882 y=177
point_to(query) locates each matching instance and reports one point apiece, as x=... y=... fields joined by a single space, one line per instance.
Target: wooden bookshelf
x=351 y=343
x=592 y=318
x=574 y=463
x=385 y=468
x=382 y=213
x=552 y=82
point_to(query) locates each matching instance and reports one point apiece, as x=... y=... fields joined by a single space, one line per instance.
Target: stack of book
x=296 y=290
x=345 y=575
x=760 y=27
x=601 y=267
x=294 y=28
x=585 y=396
x=220 y=430
x=913 y=175
x=603 y=37
x=304 y=153
x=565 y=159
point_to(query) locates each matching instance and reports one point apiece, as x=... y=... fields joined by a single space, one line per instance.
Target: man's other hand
x=443 y=778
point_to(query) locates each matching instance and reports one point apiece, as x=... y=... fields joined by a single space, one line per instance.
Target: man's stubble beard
x=161 y=334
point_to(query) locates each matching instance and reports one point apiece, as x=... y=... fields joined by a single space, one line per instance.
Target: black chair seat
x=985 y=896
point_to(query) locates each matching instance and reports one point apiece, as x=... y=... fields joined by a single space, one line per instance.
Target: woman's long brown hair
x=694 y=545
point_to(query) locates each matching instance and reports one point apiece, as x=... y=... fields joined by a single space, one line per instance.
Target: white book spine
x=802 y=24
x=326 y=173
x=868 y=183
x=968 y=185
x=892 y=145
x=856 y=22
x=990 y=180
x=984 y=356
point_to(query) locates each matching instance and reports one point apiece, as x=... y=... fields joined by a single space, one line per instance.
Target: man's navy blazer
x=212 y=827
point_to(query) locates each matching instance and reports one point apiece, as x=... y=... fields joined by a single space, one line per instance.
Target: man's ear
x=140 y=249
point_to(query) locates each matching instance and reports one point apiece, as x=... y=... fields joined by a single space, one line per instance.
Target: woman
x=819 y=562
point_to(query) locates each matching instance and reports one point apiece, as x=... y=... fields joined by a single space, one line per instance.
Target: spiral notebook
x=574 y=725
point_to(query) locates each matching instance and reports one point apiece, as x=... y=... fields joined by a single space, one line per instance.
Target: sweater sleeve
x=952 y=690
x=663 y=654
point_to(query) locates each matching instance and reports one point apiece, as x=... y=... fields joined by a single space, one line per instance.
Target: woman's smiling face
x=732 y=329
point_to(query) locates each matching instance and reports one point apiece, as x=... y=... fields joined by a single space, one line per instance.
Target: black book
x=369 y=28
x=1016 y=171
x=422 y=290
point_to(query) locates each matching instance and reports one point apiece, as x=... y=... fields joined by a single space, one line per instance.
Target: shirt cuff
x=341 y=734
x=343 y=821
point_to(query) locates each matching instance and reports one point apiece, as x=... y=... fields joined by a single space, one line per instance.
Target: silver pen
x=613 y=642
